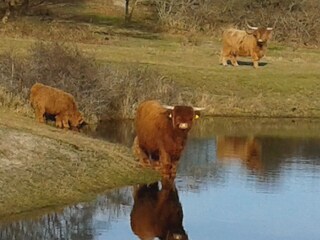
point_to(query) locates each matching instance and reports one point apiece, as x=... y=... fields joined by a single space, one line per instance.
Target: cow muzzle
x=183 y=126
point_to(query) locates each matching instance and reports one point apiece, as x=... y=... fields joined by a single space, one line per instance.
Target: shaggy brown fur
x=47 y=100
x=244 y=43
x=162 y=133
x=157 y=212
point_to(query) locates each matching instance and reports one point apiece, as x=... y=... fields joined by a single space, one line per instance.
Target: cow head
x=76 y=120
x=262 y=34
x=183 y=116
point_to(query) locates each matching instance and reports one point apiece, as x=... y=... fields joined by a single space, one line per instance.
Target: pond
x=237 y=179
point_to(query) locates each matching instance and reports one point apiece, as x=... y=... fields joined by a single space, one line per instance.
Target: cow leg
x=142 y=156
x=255 y=59
x=234 y=61
x=62 y=122
x=174 y=169
x=59 y=123
x=65 y=123
x=165 y=163
x=224 y=59
x=39 y=114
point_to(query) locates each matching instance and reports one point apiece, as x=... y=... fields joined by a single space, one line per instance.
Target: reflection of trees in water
x=198 y=165
x=281 y=149
x=233 y=126
x=278 y=153
x=73 y=222
x=114 y=204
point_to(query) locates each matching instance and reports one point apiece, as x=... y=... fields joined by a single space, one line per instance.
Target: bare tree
x=128 y=11
x=14 y=5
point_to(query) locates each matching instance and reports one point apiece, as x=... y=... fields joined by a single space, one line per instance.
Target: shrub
x=130 y=86
x=101 y=90
x=295 y=21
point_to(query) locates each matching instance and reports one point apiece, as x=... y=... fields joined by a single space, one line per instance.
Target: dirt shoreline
x=43 y=166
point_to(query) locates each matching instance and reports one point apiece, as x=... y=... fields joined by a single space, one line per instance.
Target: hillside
x=43 y=166
x=285 y=85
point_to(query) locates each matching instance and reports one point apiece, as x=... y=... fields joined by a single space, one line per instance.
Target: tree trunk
x=129 y=13
x=126 y=18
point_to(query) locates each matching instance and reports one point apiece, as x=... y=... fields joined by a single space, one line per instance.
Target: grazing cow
x=252 y=42
x=157 y=212
x=49 y=101
x=162 y=133
x=245 y=149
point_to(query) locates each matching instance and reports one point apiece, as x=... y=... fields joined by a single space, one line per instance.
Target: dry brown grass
x=295 y=22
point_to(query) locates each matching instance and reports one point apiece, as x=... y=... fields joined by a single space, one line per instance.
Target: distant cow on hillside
x=252 y=42
x=157 y=213
x=162 y=133
x=47 y=100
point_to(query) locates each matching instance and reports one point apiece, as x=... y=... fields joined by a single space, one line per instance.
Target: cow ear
x=196 y=114
x=169 y=113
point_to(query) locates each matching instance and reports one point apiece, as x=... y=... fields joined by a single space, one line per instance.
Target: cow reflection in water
x=157 y=212
x=246 y=149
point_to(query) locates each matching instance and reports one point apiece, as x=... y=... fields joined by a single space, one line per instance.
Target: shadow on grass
x=248 y=63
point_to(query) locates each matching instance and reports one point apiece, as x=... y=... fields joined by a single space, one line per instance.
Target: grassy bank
x=43 y=166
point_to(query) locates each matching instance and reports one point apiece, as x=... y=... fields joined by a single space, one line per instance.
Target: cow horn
x=168 y=107
x=252 y=28
x=269 y=28
x=198 y=108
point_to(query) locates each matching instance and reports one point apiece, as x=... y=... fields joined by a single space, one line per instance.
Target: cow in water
x=249 y=43
x=157 y=212
x=162 y=133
